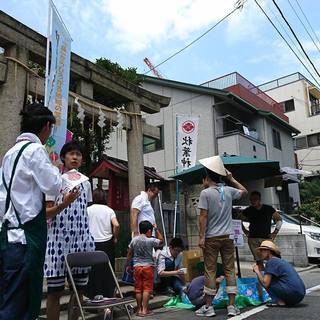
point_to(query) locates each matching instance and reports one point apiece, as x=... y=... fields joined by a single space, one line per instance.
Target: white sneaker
x=205 y=312
x=232 y=311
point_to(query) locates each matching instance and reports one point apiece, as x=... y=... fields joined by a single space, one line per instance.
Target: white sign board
x=186 y=141
x=237 y=235
x=72 y=179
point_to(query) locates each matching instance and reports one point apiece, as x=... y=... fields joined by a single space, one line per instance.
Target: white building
x=223 y=116
x=301 y=103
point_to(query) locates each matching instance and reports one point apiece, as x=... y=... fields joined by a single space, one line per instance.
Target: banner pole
x=47 y=55
x=177 y=211
x=162 y=221
x=238 y=262
x=175 y=219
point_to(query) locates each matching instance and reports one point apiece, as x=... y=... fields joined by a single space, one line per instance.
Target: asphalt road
x=309 y=309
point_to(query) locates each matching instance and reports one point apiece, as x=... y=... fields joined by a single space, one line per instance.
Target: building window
x=301 y=143
x=288 y=105
x=314 y=140
x=276 y=139
x=314 y=105
x=151 y=144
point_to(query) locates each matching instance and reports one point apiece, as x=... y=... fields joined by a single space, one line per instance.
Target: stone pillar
x=85 y=89
x=135 y=153
x=12 y=98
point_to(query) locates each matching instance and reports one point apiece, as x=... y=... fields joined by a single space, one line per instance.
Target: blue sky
x=126 y=31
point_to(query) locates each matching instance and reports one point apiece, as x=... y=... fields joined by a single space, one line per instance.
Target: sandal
x=139 y=314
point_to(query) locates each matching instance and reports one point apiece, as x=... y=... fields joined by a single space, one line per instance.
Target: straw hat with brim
x=267 y=244
x=214 y=164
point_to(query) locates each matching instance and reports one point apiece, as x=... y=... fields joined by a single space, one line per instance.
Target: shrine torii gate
x=22 y=44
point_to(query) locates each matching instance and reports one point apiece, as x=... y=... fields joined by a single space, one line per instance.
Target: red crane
x=152 y=68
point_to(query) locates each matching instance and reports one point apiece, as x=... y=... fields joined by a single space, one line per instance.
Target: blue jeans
x=172 y=282
x=276 y=294
x=13 y=283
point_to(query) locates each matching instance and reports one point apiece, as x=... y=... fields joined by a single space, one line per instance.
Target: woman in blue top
x=280 y=279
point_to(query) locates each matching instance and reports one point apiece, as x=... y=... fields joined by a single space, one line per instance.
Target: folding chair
x=88 y=259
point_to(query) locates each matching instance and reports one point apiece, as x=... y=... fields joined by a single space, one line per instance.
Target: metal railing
x=282 y=81
x=235 y=78
x=309 y=220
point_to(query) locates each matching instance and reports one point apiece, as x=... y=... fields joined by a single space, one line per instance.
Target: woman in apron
x=68 y=232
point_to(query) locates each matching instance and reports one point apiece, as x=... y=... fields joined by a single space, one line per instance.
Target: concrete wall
x=301 y=119
x=182 y=102
x=241 y=145
x=299 y=92
x=293 y=249
x=285 y=156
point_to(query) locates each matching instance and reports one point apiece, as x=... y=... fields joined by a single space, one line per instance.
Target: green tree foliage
x=310 y=199
x=91 y=136
x=37 y=68
x=130 y=74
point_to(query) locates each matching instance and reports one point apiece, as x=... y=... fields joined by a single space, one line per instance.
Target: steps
x=127 y=291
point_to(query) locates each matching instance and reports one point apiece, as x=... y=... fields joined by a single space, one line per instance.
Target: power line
x=288 y=35
x=238 y=5
x=294 y=34
x=306 y=156
x=285 y=40
x=307 y=21
x=305 y=28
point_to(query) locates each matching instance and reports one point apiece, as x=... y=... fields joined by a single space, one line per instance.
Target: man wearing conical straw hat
x=215 y=222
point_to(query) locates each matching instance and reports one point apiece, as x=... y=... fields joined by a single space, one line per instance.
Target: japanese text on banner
x=186 y=142
x=57 y=82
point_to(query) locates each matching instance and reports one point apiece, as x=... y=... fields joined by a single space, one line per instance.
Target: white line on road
x=315 y=288
x=251 y=312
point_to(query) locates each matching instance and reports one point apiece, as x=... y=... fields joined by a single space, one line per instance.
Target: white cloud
x=141 y=24
x=245 y=24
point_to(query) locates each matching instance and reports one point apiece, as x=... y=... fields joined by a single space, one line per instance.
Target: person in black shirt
x=259 y=216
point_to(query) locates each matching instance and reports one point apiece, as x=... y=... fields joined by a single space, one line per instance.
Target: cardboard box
x=190 y=260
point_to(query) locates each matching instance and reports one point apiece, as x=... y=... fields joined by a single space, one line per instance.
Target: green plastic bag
x=175 y=302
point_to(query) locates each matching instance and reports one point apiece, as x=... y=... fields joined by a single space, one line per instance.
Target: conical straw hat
x=214 y=164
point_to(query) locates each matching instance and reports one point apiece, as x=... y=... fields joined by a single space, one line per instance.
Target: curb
x=309 y=268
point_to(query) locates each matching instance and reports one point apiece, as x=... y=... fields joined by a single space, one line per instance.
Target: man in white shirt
x=141 y=209
x=27 y=174
x=104 y=227
x=169 y=267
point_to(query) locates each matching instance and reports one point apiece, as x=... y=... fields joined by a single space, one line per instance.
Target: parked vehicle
x=291 y=225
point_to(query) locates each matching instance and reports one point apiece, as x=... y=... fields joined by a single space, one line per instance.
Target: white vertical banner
x=186 y=141
x=57 y=80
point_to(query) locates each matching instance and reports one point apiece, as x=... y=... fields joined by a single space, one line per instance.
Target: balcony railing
x=238 y=143
x=282 y=81
x=235 y=78
x=237 y=84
